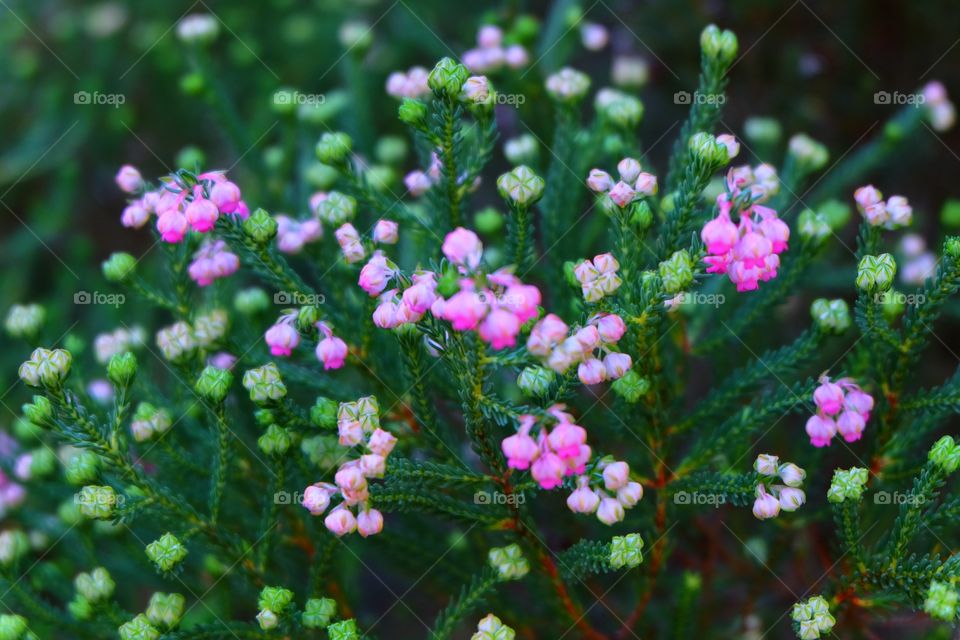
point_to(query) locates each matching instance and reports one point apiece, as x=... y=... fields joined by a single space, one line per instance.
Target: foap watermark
x=899 y=98
x=699 y=298
x=698 y=498
x=509 y=99
x=286 y=497
x=685 y=97
x=498 y=497
x=99 y=499
x=897 y=297
x=299 y=299
x=298 y=98
x=96 y=98
x=99 y=298
x=897 y=498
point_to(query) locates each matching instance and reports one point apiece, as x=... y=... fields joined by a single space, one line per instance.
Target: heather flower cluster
x=812 y=618
x=842 y=407
x=358 y=425
x=893 y=213
x=598 y=277
x=633 y=183
x=592 y=346
x=559 y=451
x=772 y=498
x=491 y=52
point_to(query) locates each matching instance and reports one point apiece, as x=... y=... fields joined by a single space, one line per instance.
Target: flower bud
x=119 y=266
x=39 y=412
x=626 y=551
x=165 y=609
x=521 y=186
x=251 y=301
x=568 y=85
x=809 y=154
x=766 y=465
x=875 y=273
x=447 y=78
x=491 y=627
x=677 y=272
x=631 y=387
x=355 y=35
x=791 y=499
x=951 y=247
x=121 y=369
x=344 y=630
x=82 y=468
x=46 y=368
x=277 y=599
x=334 y=148
x=509 y=562
x=275 y=442
x=13 y=545
x=523 y=149
x=941 y=602
x=323 y=413
x=260 y=227
x=214 y=384
x=264 y=384
x=705 y=147
x=318 y=612
x=847 y=484
x=813 y=227
x=791 y=474
x=25 y=321
x=536 y=381
x=166 y=552
x=138 y=629
x=719 y=45
x=337 y=209
x=413 y=112
x=95 y=586
x=97 y=502
x=12 y=627
x=945 y=453
x=760 y=130
x=832 y=316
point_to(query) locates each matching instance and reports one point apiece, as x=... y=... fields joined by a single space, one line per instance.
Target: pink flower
x=385 y=315
x=332 y=352
x=859 y=401
x=610 y=327
x=765 y=506
x=616 y=475
x=282 y=338
x=226 y=196
x=629 y=169
x=422 y=293
x=350 y=478
x=373 y=465
x=417 y=183
x=646 y=184
x=376 y=274
x=172 y=226
x=316 y=497
x=821 y=430
x=733 y=147
x=850 y=425
x=202 y=214
x=566 y=439
x=583 y=499
x=591 y=371
x=719 y=234
x=622 y=194
x=212 y=261
x=464 y=310
x=135 y=215
x=386 y=232
x=630 y=494
x=499 y=328
x=489 y=36
x=350 y=245
x=222 y=360
x=369 y=522
x=610 y=511
x=340 y=521
x=867 y=196
x=520 y=450
x=828 y=397
x=588 y=338
x=463 y=247
x=548 y=470
x=522 y=300
x=128 y=178
x=617 y=364
x=599 y=181
x=516 y=56
x=381 y=442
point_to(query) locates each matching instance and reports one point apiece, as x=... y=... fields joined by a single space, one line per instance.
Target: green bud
x=344 y=630
x=641 y=216
x=521 y=186
x=39 y=412
x=264 y=384
x=277 y=599
x=13 y=545
x=214 y=384
x=831 y=316
x=82 y=468
x=631 y=386
x=447 y=78
x=165 y=609
x=875 y=273
x=119 y=266
x=46 y=368
x=264 y=417
x=677 y=272
x=719 y=45
x=491 y=627
x=891 y=303
x=166 y=552
x=251 y=301
x=97 y=502
x=260 y=227
x=95 y=586
x=80 y=608
x=812 y=227
x=334 y=148
x=951 y=247
x=835 y=213
x=942 y=600
x=413 y=112
x=809 y=154
x=138 y=629
x=275 y=442
x=950 y=213
x=705 y=147
x=69 y=512
x=813 y=618
x=12 y=627
x=626 y=551
x=323 y=413
x=322 y=451
x=619 y=108
x=945 y=453
x=337 y=209
x=488 y=221
x=318 y=612
x=448 y=284
x=523 y=149
x=536 y=381
x=355 y=36
x=121 y=369
x=761 y=130
x=509 y=562
x=267 y=619
x=568 y=85
x=25 y=321
x=847 y=484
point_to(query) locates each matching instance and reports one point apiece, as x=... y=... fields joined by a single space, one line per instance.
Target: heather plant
x=480 y=407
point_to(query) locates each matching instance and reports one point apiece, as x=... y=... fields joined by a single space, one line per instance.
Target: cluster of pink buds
x=919 y=264
x=412 y=84
x=212 y=261
x=748 y=251
x=395 y=309
x=608 y=492
x=419 y=182
x=942 y=112
x=633 y=183
x=843 y=407
x=283 y=337
x=893 y=213
x=350 y=244
x=180 y=204
x=293 y=234
x=490 y=54
x=552 y=340
x=358 y=424
x=598 y=277
x=770 y=500
x=331 y=350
